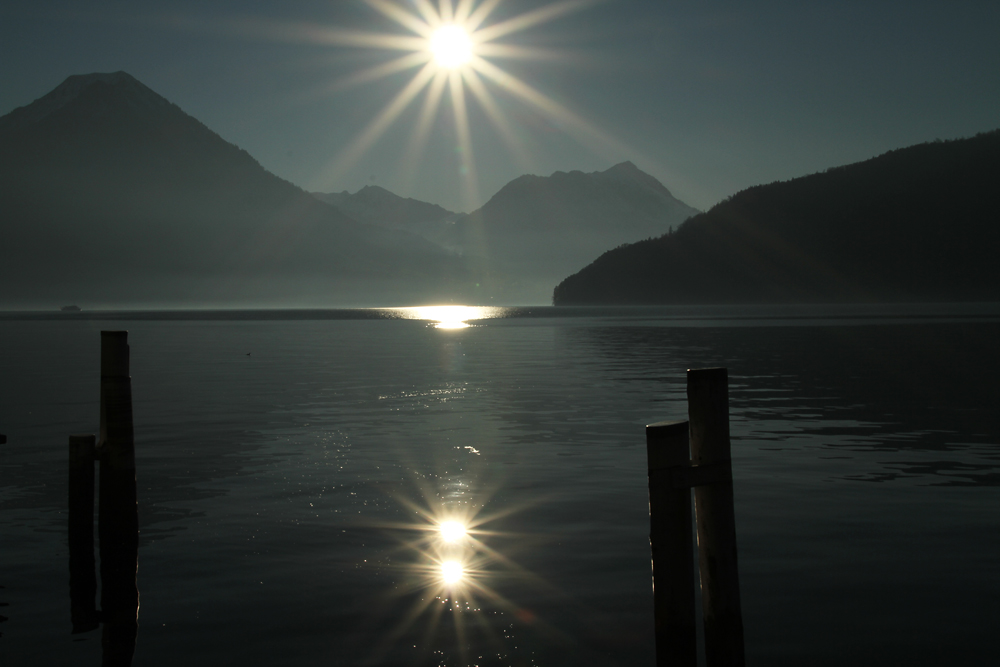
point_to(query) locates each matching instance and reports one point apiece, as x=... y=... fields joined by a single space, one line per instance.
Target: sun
x=451 y=46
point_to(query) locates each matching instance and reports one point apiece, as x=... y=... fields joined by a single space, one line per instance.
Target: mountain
x=915 y=224
x=112 y=195
x=537 y=229
x=377 y=206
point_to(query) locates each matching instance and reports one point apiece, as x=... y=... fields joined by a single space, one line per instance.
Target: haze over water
x=288 y=497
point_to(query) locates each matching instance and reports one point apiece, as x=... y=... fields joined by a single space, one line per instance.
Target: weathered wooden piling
x=118 y=524
x=671 y=544
x=82 y=573
x=673 y=472
x=708 y=412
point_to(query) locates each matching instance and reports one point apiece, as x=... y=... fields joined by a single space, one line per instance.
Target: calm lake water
x=287 y=499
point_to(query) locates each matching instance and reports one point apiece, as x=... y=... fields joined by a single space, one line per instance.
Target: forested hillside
x=918 y=223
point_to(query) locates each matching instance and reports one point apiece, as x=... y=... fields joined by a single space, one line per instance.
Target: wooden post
x=118 y=523
x=671 y=545
x=82 y=575
x=708 y=410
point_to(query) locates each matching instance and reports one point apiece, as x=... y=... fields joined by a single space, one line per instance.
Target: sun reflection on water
x=451 y=571
x=452 y=317
x=452 y=531
x=452 y=564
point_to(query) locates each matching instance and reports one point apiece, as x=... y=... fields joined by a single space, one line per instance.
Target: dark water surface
x=285 y=498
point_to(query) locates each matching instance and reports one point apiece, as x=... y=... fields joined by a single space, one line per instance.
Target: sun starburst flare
x=446 y=564
x=451 y=46
x=452 y=531
x=454 y=45
x=451 y=571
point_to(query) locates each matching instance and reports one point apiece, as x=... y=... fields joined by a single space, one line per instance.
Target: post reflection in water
x=118 y=550
x=119 y=533
x=118 y=523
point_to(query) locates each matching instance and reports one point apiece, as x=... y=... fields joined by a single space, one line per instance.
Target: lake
x=288 y=498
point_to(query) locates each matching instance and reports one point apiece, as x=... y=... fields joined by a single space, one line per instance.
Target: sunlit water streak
x=291 y=502
x=453 y=317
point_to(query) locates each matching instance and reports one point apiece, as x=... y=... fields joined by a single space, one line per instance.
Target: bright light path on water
x=452 y=531
x=451 y=317
x=451 y=571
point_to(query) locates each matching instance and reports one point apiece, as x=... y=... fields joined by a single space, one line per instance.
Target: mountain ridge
x=71 y=89
x=915 y=223
x=374 y=204
x=537 y=229
x=104 y=184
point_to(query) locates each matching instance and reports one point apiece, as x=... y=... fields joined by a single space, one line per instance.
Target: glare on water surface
x=451 y=571
x=451 y=317
x=452 y=567
x=452 y=531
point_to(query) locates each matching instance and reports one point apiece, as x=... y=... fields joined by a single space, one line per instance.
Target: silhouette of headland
x=914 y=224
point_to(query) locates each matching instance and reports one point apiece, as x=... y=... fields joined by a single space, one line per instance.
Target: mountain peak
x=75 y=87
x=913 y=225
x=370 y=191
x=79 y=81
x=103 y=172
x=626 y=167
x=375 y=205
x=627 y=171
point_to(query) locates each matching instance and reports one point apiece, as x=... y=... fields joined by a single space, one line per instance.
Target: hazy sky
x=710 y=97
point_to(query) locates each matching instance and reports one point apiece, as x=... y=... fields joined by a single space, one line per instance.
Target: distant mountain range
x=915 y=224
x=536 y=229
x=377 y=206
x=111 y=195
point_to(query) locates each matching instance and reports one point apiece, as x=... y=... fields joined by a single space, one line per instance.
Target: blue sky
x=710 y=97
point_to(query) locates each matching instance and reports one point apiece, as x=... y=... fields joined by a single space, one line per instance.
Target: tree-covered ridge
x=918 y=223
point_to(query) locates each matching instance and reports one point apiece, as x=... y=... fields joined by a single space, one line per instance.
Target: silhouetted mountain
x=377 y=206
x=111 y=194
x=919 y=223
x=537 y=229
